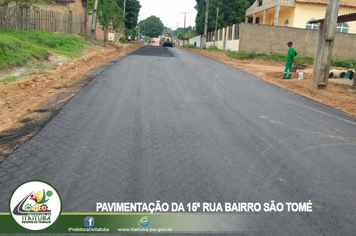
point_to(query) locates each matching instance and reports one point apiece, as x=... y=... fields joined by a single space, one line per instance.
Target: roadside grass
x=348 y=64
x=189 y=46
x=18 y=47
x=8 y=79
x=213 y=48
x=274 y=57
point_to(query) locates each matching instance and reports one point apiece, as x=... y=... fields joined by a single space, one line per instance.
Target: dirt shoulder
x=336 y=95
x=28 y=104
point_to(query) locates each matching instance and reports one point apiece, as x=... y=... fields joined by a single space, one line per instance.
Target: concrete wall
x=271 y=40
x=218 y=44
x=198 y=40
x=180 y=42
x=224 y=42
x=232 y=45
x=345 y=46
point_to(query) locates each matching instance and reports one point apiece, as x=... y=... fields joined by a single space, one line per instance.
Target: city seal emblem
x=35 y=205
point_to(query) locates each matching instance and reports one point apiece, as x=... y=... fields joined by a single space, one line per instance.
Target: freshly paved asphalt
x=172 y=125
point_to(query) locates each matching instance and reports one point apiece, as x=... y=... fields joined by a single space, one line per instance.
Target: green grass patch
x=122 y=40
x=18 y=47
x=189 y=46
x=213 y=48
x=348 y=64
x=281 y=58
x=8 y=79
x=274 y=57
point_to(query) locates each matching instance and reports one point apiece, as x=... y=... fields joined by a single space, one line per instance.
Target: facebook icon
x=89 y=221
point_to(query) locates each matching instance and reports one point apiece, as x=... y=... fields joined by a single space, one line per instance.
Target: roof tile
x=344 y=3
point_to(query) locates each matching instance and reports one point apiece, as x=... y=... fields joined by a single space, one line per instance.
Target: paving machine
x=167 y=41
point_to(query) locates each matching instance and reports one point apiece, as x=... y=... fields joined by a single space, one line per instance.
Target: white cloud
x=169 y=11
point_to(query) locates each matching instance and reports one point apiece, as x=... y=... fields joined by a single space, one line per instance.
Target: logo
x=89 y=221
x=144 y=221
x=35 y=205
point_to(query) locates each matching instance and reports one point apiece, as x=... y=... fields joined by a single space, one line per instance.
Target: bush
x=213 y=48
x=122 y=40
x=348 y=64
x=189 y=46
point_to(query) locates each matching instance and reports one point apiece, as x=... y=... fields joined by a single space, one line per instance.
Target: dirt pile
x=26 y=104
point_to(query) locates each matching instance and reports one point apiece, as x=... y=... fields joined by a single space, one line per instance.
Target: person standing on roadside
x=292 y=53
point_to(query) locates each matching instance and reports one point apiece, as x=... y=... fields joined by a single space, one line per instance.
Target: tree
x=131 y=32
x=167 y=30
x=190 y=34
x=180 y=35
x=110 y=15
x=10 y=11
x=151 y=26
x=132 y=10
x=231 y=12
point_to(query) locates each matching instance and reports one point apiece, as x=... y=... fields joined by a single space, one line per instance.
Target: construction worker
x=292 y=53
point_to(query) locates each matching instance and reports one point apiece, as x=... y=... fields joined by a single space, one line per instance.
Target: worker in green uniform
x=292 y=53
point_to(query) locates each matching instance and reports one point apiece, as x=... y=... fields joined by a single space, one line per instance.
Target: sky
x=169 y=11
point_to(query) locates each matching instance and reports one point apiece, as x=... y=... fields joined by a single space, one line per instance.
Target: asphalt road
x=172 y=125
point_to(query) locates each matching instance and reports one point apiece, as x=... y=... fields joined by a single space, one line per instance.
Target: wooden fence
x=31 y=19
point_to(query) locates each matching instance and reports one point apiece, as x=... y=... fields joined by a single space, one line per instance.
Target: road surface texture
x=171 y=125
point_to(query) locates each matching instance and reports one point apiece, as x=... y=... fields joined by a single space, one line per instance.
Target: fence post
x=19 y=24
x=7 y=18
x=28 y=17
x=233 y=32
x=70 y=22
x=225 y=37
x=86 y=22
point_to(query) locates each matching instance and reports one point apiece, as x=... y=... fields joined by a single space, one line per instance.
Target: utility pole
x=216 y=24
x=325 y=46
x=185 y=16
x=124 y=16
x=206 y=23
x=177 y=24
x=94 y=20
